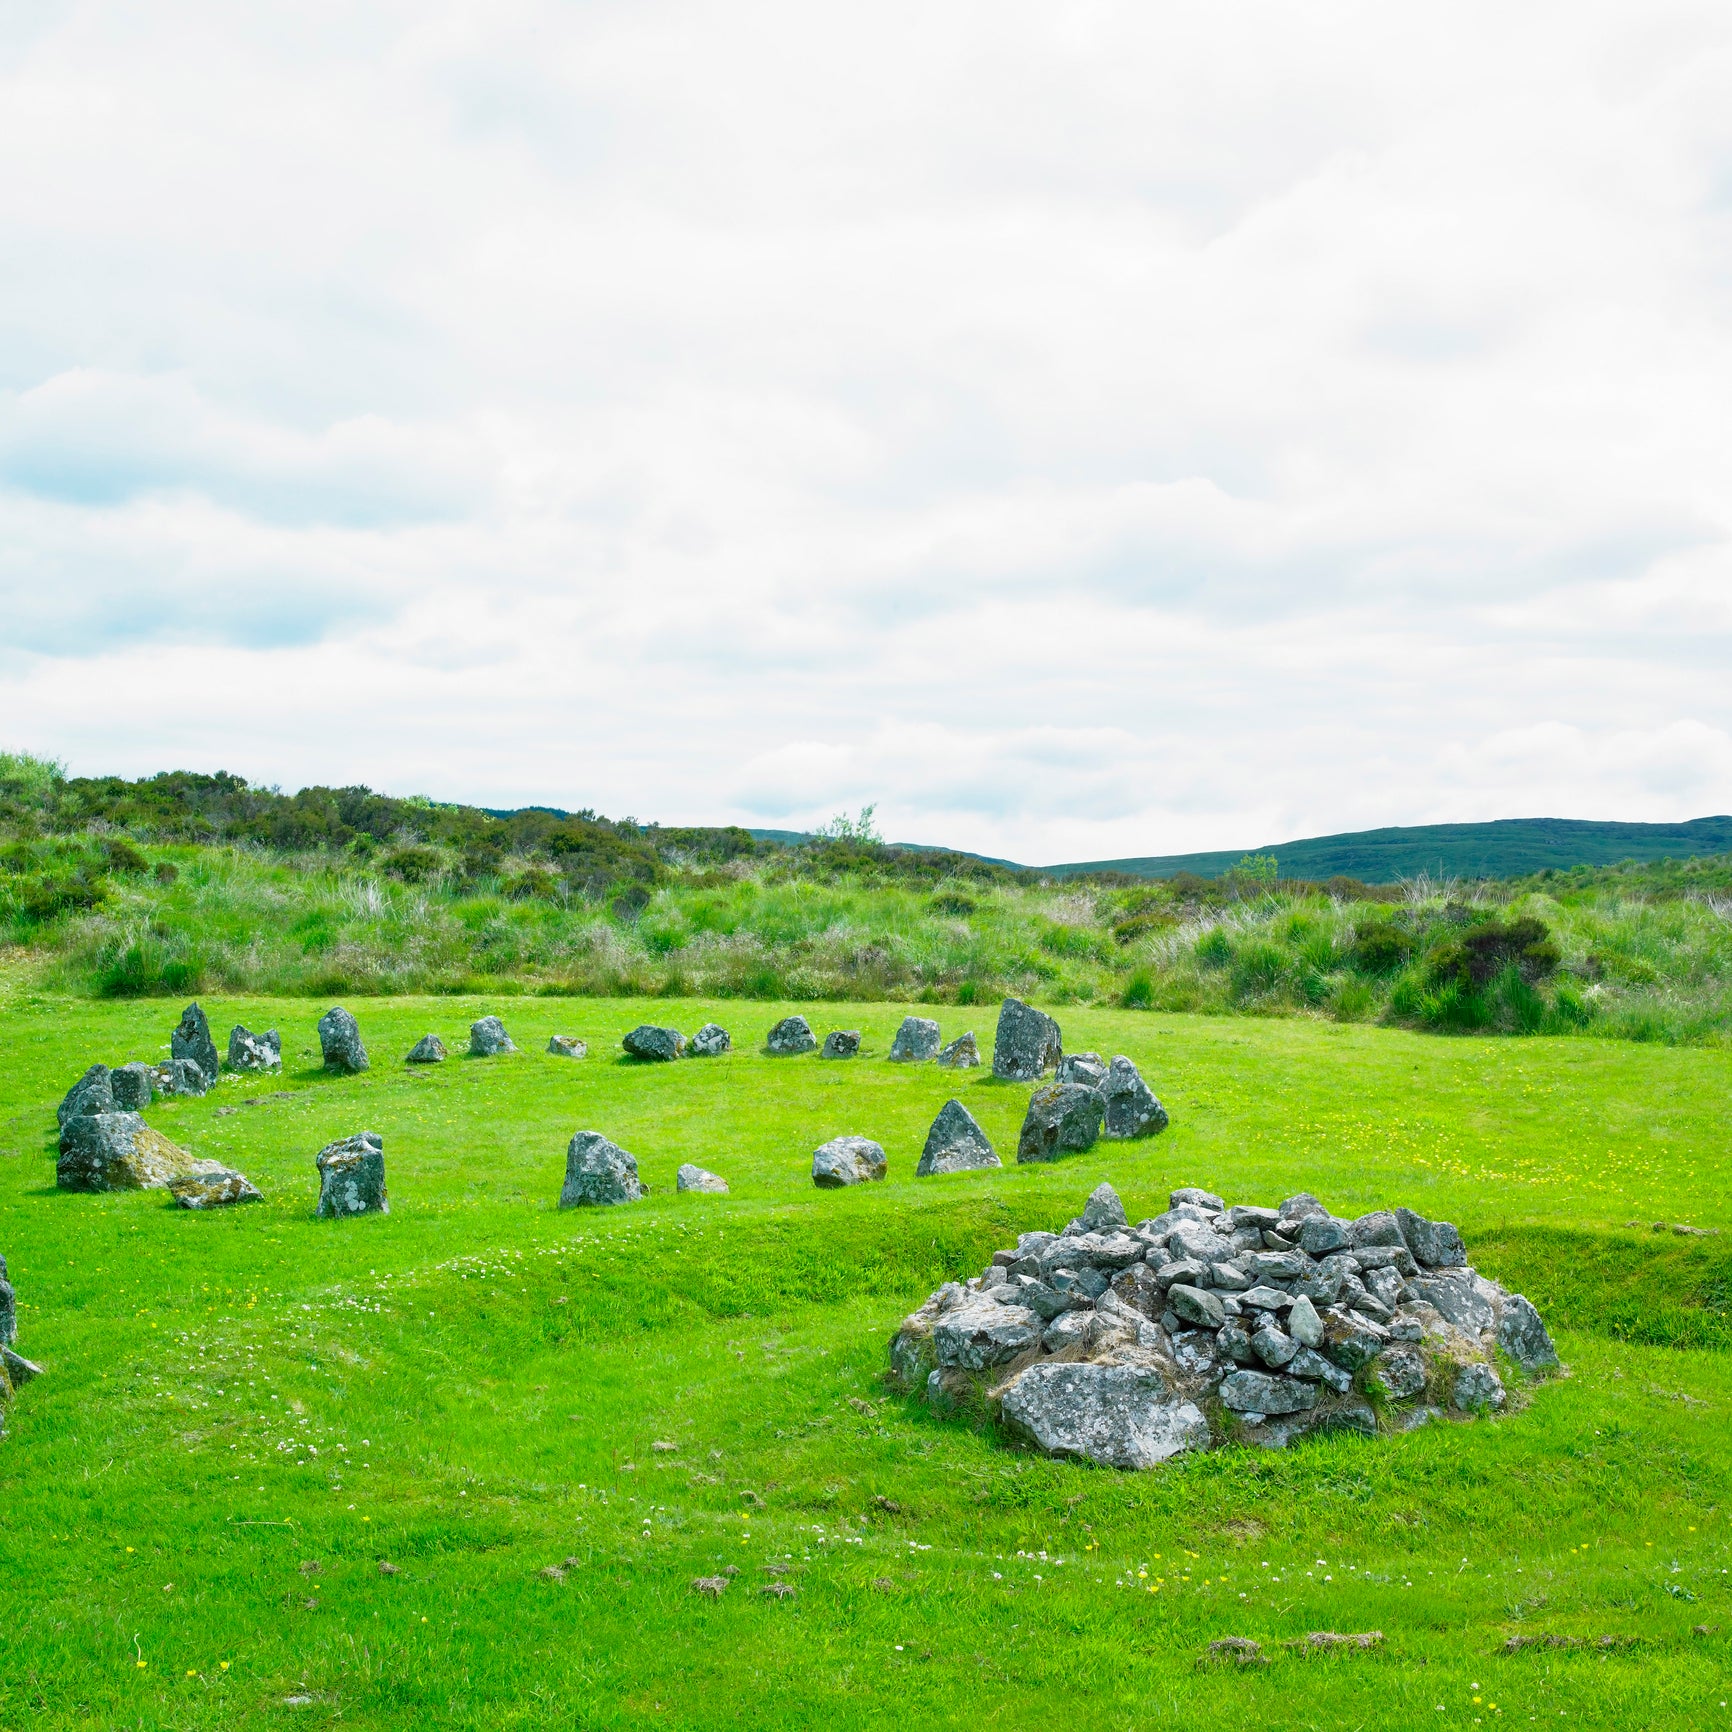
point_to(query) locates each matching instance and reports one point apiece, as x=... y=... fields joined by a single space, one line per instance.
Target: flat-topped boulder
x=255 y=1052
x=917 y=1040
x=211 y=1185
x=117 y=1152
x=352 y=1176
x=847 y=1161
x=1209 y=1325
x=651 y=1045
x=340 y=1041
x=191 y=1040
x=791 y=1037
x=955 y=1144
x=711 y=1041
x=567 y=1046
x=1027 y=1044
x=598 y=1173
x=133 y=1086
x=487 y=1038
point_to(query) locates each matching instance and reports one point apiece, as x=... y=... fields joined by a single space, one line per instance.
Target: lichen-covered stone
x=92 y=1093
x=847 y=1161
x=487 y=1038
x=711 y=1041
x=1266 y=1392
x=599 y=1173
x=955 y=1144
x=340 y=1041
x=429 y=1049
x=916 y=1041
x=191 y=1040
x=116 y=1152
x=1028 y=1042
x=1434 y=1244
x=981 y=1333
x=132 y=1086
x=692 y=1178
x=1062 y=1119
x=1131 y=1108
x=567 y=1046
x=1124 y=1416
x=791 y=1037
x=211 y=1185
x=180 y=1076
x=963 y=1053
x=1087 y=1068
x=352 y=1176
x=652 y=1045
x=1477 y=1389
x=841 y=1043
x=1522 y=1335
x=255 y=1052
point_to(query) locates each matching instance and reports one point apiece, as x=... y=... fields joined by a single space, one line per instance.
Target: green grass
x=484 y=1379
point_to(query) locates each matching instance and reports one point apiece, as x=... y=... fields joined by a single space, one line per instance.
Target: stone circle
x=955 y=1144
x=651 y=1045
x=567 y=1046
x=255 y=1052
x=841 y=1043
x=711 y=1041
x=429 y=1049
x=352 y=1176
x=191 y=1040
x=598 y=1173
x=963 y=1053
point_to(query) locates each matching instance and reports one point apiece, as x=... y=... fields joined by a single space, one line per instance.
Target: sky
x=1082 y=431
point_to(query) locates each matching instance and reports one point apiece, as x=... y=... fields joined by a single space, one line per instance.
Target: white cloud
x=1087 y=432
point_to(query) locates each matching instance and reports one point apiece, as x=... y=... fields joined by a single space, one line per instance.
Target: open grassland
x=247 y=1412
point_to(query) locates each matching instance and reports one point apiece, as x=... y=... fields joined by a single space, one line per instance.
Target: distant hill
x=1504 y=848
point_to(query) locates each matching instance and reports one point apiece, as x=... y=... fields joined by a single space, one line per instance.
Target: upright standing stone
x=1063 y=1119
x=1027 y=1044
x=255 y=1052
x=1132 y=1110
x=487 y=1038
x=916 y=1041
x=191 y=1039
x=92 y=1093
x=963 y=1053
x=133 y=1090
x=598 y=1173
x=955 y=1144
x=180 y=1076
x=791 y=1037
x=352 y=1176
x=340 y=1041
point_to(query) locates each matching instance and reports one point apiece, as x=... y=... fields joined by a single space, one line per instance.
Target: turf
x=247 y=1412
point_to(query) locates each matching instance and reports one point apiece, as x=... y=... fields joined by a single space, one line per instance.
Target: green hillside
x=1505 y=848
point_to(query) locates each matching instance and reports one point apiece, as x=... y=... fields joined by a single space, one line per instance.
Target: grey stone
x=1352 y=1341
x=916 y=1041
x=1087 y=1068
x=352 y=1176
x=487 y=1038
x=1234 y=1341
x=1109 y=1250
x=1315 y=1368
x=1385 y=1285
x=180 y=1076
x=841 y=1043
x=955 y=1144
x=963 y=1053
x=1323 y=1286
x=1300 y=1207
x=212 y=1186
x=191 y=1039
x=1249 y=1215
x=1280 y=1265
x=1396 y=1257
x=1068 y=1329
x=1400 y=1372
x=1263 y=1392
x=255 y=1052
x=1377 y=1228
x=1272 y=1345
x=1303 y=1323
x=1455 y=1294
x=1477 y=1388
x=1522 y=1335
x=1192 y=1239
x=847 y=1161
x=599 y=1173
x=1063 y=1118
x=711 y=1041
x=1044 y=1301
x=1322 y=1234
x=690 y=1178
x=1182 y=1269
x=340 y=1041
x=565 y=1046
x=1103 y=1212
x=1132 y=1110
x=1123 y=1416
x=133 y=1087
x=116 y=1152
x=652 y=1045
x=1089 y=1284
x=1138 y=1288
x=92 y=1093
x=981 y=1333
x=429 y=1049
x=8 y=1308
x=1266 y=1299
x=1027 y=1043
x=790 y=1037
x=1196 y=1305
x=1197 y=1198
x=19 y=1370
x=1227 y=1275
x=1435 y=1244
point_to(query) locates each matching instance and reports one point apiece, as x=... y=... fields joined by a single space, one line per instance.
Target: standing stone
x=791 y=1037
x=487 y=1038
x=1435 y=1244
x=429 y=1049
x=1027 y=1043
x=1132 y=1110
x=352 y=1175
x=116 y=1152
x=841 y=1043
x=711 y=1041
x=92 y=1093
x=567 y=1046
x=847 y=1161
x=8 y=1309
x=340 y=1041
x=1087 y=1068
x=132 y=1088
x=191 y=1039
x=1522 y=1335
x=955 y=1144
x=963 y=1053
x=690 y=1178
x=916 y=1041
x=598 y=1173
x=255 y=1052
x=179 y=1076
x=654 y=1045
x=1121 y=1416
x=212 y=1186
x=1063 y=1118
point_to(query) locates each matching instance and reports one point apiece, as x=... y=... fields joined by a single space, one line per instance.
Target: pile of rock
x=1210 y=1324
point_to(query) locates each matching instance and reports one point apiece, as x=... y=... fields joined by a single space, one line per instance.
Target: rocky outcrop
x=916 y=1041
x=133 y=1087
x=1210 y=1325
x=487 y=1038
x=1131 y=1108
x=841 y=1043
x=847 y=1161
x=117 y=1152
x=1027 y=1044
x=651 y=1045
x=963 y=1053
x=955 y=1144
x=790 y=1037
x=1063 y=1119
x=567 y=1046
x=211 y=1185
x=352 y=1176
x=191 y=1040
x=711 y=1041
x=598 y=1173
x=340 y=1041
x=255 y=1052
x=429 y=1049
x=92 y=1093
x=690 y=1178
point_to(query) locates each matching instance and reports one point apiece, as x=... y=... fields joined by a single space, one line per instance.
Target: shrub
x=121 y=856
x=1474 y=958
x=1139 y=993
x=952 y=902
x=1258 y=967
x=413 y=864
x=1380 y=946
x=165 y=872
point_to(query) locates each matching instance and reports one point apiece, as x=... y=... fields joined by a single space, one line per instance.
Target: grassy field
x=247 y=1412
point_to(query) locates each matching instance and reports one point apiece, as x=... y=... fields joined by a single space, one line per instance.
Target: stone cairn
x=1209 y=1325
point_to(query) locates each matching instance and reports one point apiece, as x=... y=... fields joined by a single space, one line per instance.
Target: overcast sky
x=1084 y=430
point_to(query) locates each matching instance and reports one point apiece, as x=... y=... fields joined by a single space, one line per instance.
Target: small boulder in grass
x=711 y=1041
x=791 y=1037
x=963 y=1053
x=255 y=1052
x=211 y=1185
x=429 y=1049
x=917 y=1040
x=567 y=1046
x=694 y=1178
x=487 y=1038
x=847 y=1161
x=651 y=1045
x=841 y=1043
x=352 y=1177
x=955 y=1144
x=117 y=1152
x=711 y=1587
x=598 y=1173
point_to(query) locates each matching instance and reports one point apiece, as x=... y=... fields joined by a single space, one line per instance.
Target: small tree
x=861 y=830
